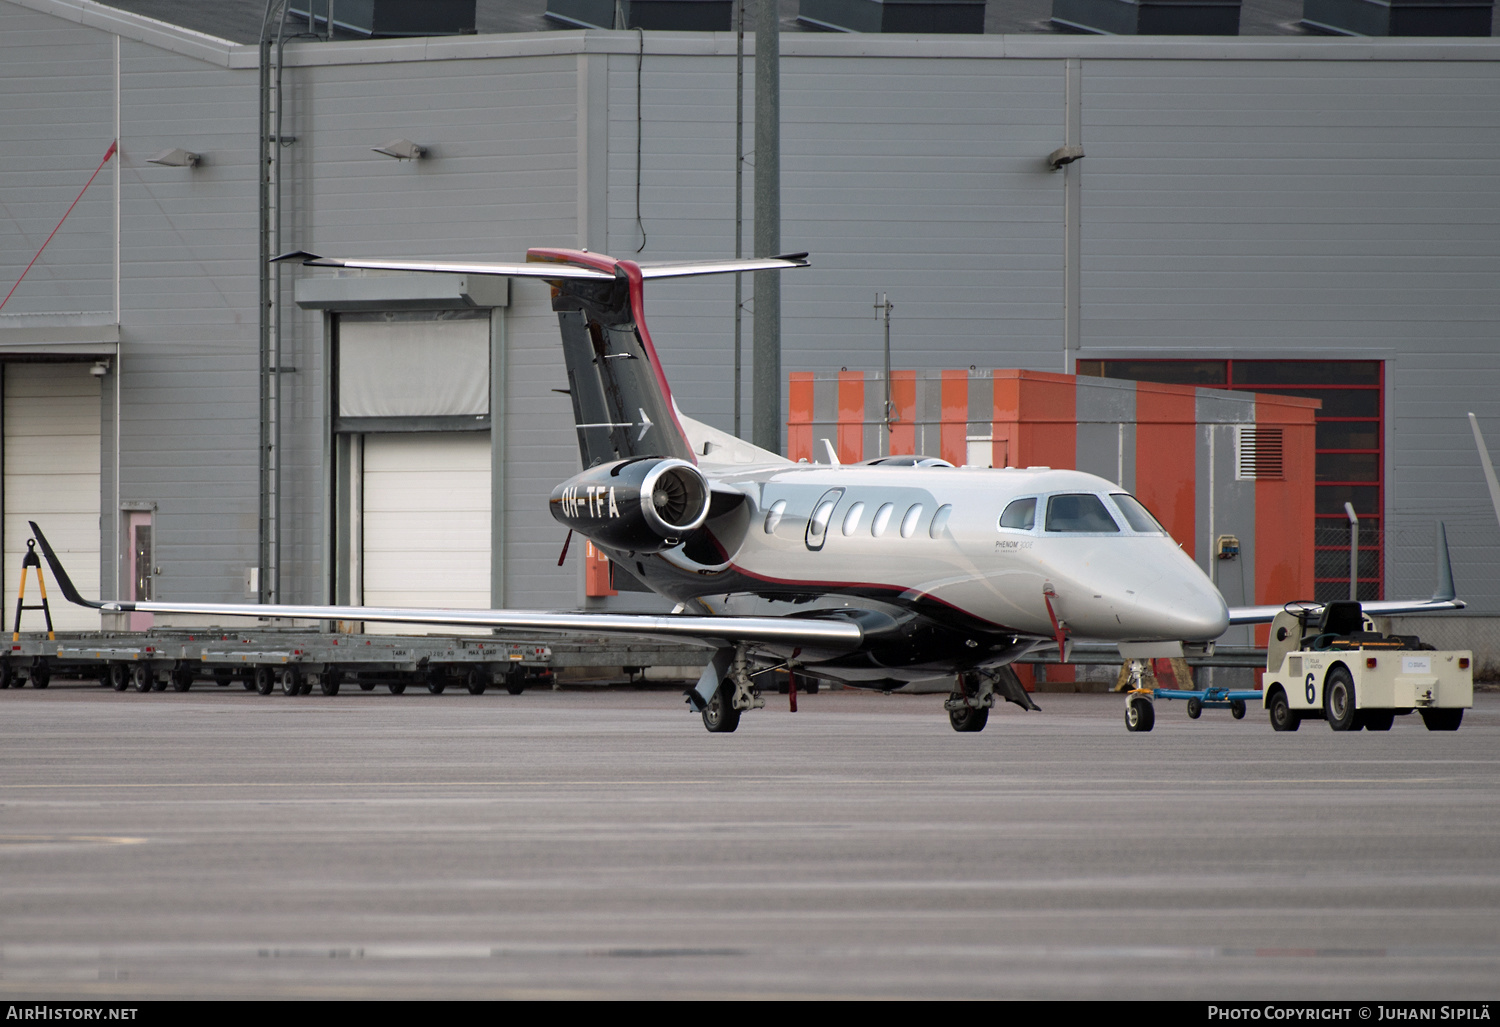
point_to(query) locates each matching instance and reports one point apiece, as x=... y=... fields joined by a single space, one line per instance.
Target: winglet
x=63 y=581
x=1445 y=592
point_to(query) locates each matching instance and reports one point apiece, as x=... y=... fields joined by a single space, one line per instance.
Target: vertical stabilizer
x=622 y=404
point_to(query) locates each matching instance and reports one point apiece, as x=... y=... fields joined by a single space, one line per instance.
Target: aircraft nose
x=1183 y=608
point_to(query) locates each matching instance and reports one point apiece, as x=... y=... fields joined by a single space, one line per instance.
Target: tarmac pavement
x=601 y=844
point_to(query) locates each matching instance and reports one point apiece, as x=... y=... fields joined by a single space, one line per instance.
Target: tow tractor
x=1326 y=661
x=1340 y=669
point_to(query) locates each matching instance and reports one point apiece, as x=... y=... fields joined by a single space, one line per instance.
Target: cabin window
x=882 y=519
x=909 y=522
x=1020 y=514
x=1080 y=512
x=851 y=519
x=1136 y=515
x=940 y=520
x=773 y=515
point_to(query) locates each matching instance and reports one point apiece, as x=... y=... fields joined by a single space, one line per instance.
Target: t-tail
x=622 y=403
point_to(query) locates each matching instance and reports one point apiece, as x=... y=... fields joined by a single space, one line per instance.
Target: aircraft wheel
x=1194 y=709
x=1442 y=720
x=1379 y=720
x=1237 y=710
x=1338 y=701
x=478 y=680
x=1283 y=717
x=265 y=680
x=119 y=676
x=329 y=683
x=968 y=718
x=397 y=687
x=141 y=677
x=1140 y=715
x=720 y=716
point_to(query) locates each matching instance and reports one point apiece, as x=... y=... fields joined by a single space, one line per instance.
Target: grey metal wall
x=1301 y=198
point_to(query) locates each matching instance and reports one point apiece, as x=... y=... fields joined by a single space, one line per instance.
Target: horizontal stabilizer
x=549 y=269
x=458 y=267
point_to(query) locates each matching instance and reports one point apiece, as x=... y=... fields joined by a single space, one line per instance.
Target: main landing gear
x=974 y=696
x=725 y=691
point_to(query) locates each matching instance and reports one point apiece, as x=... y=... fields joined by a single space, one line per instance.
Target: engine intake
x=643 y=505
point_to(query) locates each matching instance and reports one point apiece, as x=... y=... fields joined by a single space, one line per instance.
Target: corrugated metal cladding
x=1258 y=197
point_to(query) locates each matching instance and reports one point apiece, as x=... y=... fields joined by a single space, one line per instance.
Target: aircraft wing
x=1444 y=596
x=550 y=269
x=820 y=633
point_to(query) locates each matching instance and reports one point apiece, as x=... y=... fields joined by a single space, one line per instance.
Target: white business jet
x=877 y=574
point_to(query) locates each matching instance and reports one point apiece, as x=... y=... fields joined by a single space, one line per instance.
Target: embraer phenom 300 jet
x=877 y=574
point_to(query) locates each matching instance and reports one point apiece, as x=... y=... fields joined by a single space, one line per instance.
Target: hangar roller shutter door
x=426 y=521
x=51 y=440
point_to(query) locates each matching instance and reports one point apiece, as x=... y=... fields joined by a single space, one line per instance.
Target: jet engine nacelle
x=643 y=505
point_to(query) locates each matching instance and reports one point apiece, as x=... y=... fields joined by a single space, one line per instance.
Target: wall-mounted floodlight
x=1064 y=155
x=402 y=149
x=100 y=368
x=178 y=158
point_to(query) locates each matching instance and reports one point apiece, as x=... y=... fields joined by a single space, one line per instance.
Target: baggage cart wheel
x=119 y=675
x=329 y=683
x=1194 y=709
x=41 y=673
x=290 y=681
x=367 y=686
x=222 y=676
x=7 y=674
x=141 y=677
x=182 y=678
x=397 y=687
x=265 y=680
x=1237 y=709
x=478 y=680
x=1140 y=714
x=436 y=681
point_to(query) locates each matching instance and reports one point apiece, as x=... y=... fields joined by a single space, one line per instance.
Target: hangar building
x=1269 y=210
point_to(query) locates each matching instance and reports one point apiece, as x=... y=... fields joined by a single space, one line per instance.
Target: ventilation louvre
x=1258 y=454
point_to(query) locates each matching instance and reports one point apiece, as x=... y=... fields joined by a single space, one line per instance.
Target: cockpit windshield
x=1081 y=512
x=1136 y=515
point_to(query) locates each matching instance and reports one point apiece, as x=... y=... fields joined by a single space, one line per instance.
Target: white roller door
x=51 y=438
x=426 y=521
